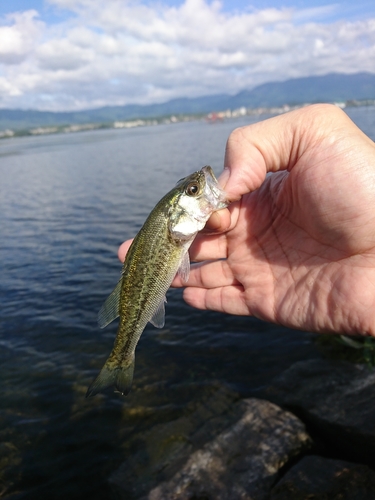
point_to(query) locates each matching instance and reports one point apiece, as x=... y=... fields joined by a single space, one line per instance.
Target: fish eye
x=192 y=189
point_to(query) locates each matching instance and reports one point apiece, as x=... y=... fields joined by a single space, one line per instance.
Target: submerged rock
x=243 y=460
x=318 y=478
x=335 y=398
x=226 y=449
x=159 y=452
x=237 y=456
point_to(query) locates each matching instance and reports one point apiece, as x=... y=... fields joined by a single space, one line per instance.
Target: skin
x=299 y=245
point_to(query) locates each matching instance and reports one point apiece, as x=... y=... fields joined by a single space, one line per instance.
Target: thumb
x=271 y=145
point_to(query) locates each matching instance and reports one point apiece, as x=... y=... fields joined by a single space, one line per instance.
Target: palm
x=300 y=251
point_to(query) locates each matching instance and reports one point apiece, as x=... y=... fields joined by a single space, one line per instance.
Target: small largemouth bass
x=158 y=252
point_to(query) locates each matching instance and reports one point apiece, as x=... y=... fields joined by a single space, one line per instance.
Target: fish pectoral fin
x=158 y=318
x=110 y=310
x=184 y=269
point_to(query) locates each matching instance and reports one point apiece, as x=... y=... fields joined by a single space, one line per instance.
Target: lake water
x=67 y=202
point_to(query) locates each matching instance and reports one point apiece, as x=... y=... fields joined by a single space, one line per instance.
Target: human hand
x=299 y=245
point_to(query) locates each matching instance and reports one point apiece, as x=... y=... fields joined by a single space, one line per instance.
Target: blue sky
x=77 y=54
x=343 y=8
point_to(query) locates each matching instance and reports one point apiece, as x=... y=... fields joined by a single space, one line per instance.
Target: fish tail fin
x=114 y=374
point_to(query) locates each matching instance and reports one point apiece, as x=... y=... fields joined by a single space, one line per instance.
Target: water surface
x=67 y=202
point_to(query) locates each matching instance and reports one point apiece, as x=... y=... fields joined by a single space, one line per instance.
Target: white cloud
x=19 y=33
x=63 y=54
x=119 y=51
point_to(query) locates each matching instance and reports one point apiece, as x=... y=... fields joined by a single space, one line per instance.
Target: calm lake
x=66 y=203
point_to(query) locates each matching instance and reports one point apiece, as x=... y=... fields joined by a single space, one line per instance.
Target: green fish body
x=157 y=254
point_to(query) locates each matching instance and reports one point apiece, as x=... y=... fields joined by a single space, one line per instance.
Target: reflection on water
x=66 y=204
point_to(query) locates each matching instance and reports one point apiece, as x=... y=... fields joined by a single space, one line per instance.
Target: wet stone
x=158 y=453
x=336 y=399
x=235 y=452
x=318 y=478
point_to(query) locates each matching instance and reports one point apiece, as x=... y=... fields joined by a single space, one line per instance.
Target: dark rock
x=336 y=399
x=240 y=462
x=158 y=453
x=318 y=478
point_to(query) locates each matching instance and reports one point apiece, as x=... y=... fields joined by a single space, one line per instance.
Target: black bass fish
x=158 y=252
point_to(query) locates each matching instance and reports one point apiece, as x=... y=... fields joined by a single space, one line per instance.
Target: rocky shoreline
x=310 y=436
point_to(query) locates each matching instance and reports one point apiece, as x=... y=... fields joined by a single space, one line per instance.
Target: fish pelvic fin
x=114 y=374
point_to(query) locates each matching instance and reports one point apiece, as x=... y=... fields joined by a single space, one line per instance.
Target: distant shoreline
x=213 y=117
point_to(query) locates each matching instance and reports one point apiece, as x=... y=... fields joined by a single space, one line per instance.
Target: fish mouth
x=213 y=191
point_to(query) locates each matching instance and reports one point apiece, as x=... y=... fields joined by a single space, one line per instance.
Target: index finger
x=123 y=249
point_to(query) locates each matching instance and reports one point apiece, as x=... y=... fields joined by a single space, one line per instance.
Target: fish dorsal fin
x=110 y=310
x=184 y=269
x=158 y=319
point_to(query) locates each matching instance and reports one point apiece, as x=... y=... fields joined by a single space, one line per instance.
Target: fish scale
x=158 y=252
x=164 y=262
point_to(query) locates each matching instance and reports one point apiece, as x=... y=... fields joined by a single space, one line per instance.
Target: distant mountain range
x=329 y=88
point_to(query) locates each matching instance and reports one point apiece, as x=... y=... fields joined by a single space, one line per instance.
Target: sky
x=62 y=55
